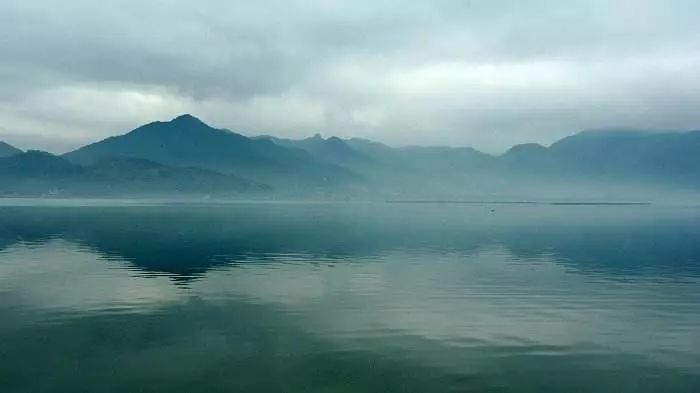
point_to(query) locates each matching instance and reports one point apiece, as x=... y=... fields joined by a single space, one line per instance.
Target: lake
x=356 y=297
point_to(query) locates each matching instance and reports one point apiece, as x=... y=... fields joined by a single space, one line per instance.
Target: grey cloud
x=481 y=73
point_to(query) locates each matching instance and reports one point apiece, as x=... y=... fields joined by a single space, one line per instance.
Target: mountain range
x=187 y=157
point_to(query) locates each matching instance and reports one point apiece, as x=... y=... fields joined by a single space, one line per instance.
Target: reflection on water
x=356 y=297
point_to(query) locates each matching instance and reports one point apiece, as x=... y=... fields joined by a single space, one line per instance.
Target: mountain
x=37 y=173
x=133 y=175
x=187 y=156
x=525 y=151
x=368 y=147
x=36 y=164
x=398 y=171
x=188 y=142
x=367 y=154
x=664 y=158
x=439 y=158
x=7 y=150
x=332 y=150
x=588 y=162
x=632 y=150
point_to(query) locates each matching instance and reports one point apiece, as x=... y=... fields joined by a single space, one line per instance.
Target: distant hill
x=664 y=158
x=332 y=150
x=397 y=171
x=440 y=158
x=7 y=150
x=525 y=151
x=36 y=164
x=368 y=147
x=357 y=151
x=188 y=142
x=37 y=173
x=584 y=163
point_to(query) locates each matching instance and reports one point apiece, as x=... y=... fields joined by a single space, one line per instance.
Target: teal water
x=114 y=297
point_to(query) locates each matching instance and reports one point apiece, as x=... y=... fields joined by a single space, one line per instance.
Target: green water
x=114 y=297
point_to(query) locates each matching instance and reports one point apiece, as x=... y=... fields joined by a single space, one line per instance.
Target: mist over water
x=349 y=297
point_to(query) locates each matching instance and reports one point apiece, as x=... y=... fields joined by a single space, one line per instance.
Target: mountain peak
x=187 y=119
x=526 y=148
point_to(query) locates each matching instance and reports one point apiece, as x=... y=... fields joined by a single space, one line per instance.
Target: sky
x=481 y=73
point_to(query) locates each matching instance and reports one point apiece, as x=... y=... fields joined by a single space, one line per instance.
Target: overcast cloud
x=482 y=73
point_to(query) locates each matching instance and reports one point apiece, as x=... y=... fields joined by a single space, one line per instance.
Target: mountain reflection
x=187 y=240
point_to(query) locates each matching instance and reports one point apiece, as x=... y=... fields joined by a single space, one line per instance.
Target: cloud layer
x=483 y=73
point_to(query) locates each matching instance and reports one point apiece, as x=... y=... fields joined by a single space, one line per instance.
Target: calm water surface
x=349 y=298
